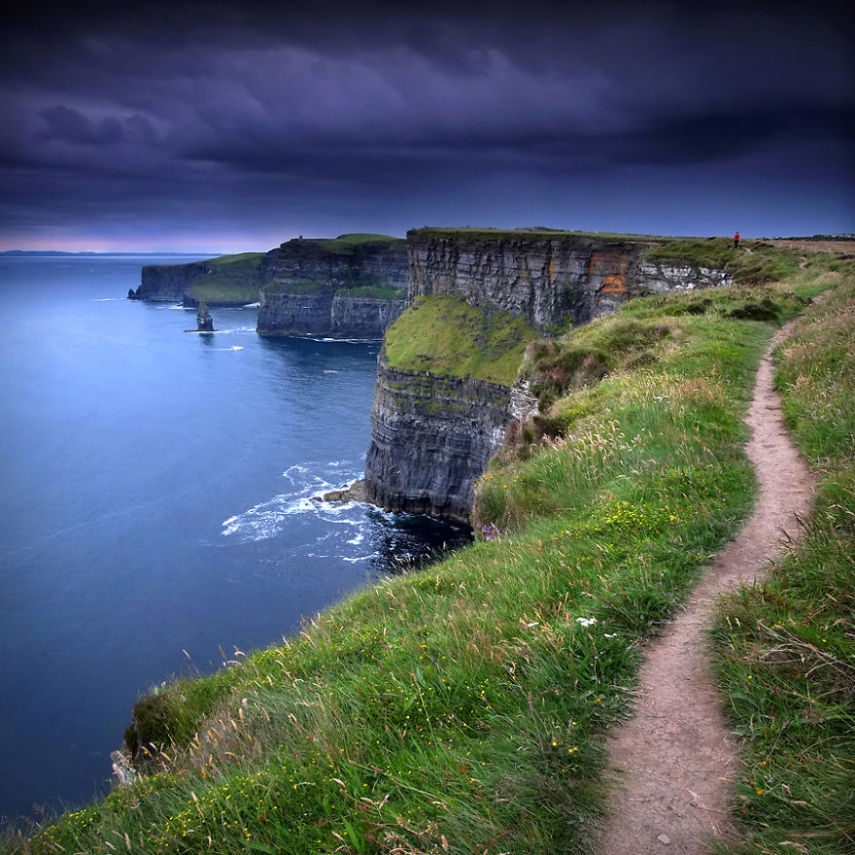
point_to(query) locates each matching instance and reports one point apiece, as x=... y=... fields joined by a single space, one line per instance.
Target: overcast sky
x=230 y=126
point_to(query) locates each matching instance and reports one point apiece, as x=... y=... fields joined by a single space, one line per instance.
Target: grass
x=786 y=647
x=445 y=335
x=753 y=263
x=462 y=708
x=373 y=292
x=488 y=234
x=352 y=243
x=232 y=279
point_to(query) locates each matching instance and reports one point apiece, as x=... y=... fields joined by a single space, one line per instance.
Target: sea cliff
x=228 y=280
x=350 y=286
x=550 y=278
x=447 y=385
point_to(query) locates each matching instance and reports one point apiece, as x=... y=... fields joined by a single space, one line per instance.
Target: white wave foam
x=355 y=541
x=330 y=371
x=108 y=299
x=269 y=518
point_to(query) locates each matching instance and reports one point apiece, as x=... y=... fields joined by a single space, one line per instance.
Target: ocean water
x=155 y=499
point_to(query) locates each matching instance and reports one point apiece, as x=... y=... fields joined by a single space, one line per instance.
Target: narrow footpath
x=674 y=763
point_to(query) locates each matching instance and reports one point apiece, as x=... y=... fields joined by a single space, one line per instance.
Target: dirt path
x=674 y=762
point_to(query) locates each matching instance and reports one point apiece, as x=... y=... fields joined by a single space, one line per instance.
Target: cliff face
x=432 y=433
x=431 y=437
x=168 y=283
x=546 y=277
x=228 y=280
x=351 y=286
x=354 y=316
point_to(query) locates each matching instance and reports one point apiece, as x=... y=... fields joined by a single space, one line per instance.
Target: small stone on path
x=664 y=838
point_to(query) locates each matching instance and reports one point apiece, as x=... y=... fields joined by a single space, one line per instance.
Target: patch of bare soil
x=674 y=762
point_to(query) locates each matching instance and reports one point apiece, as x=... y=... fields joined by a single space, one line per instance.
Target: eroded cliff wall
x=350 y=286
x=432 y=432
x=547 y=277
x=228 y=280
x=355 y=316
x=431 y=437
x=168 y=282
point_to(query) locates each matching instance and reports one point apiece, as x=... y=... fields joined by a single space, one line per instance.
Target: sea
x=156 y=506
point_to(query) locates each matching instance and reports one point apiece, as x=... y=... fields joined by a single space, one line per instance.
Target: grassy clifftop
x=463 y=708
x=446 y=335
x=231 y=278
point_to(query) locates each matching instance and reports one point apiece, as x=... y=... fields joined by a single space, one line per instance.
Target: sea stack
x=204 y=321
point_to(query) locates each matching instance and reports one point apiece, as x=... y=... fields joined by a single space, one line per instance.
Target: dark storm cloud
x=63 y=123
x=245 y=108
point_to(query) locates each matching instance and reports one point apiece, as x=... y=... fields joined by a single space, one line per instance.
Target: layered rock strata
x=431 y=437
x=228 y=280
x=547 y=277
x=342 y=288
x=432 y=434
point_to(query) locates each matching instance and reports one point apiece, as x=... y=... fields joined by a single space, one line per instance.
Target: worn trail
x=674 y=762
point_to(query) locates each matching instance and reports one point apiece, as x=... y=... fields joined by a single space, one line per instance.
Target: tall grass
x=462 y=708
x=786 y=648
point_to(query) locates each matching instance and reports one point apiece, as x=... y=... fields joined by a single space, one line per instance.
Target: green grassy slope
x=233 y=279
x=463 y=708
x=445 y=335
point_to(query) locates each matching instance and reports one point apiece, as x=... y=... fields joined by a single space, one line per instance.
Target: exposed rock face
x=432 y=434
x=546 y=277
x=354 y=316
x=204 y=321
x=168 y=282
x=659 y=278
x=228 y=280
x=431 y=437
x=343 y=287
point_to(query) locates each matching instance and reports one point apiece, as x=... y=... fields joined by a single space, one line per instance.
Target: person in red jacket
x=736 y=240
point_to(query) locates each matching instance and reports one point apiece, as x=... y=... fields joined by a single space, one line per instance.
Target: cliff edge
x=447 y=384
x=351 y=286
x=227 y=280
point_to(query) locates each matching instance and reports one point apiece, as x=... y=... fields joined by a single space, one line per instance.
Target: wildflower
x=586 y=621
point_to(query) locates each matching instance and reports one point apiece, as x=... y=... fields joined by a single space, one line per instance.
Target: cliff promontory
x=442 y=401
x=228 y=280
x=349 y=286
x=447 y=385
x=352 y=286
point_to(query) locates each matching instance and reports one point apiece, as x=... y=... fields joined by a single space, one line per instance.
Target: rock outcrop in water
x=352 y=286
x=204 y=321
x=432 y=432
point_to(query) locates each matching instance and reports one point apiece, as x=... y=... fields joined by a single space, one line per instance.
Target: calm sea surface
x=154 y=499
